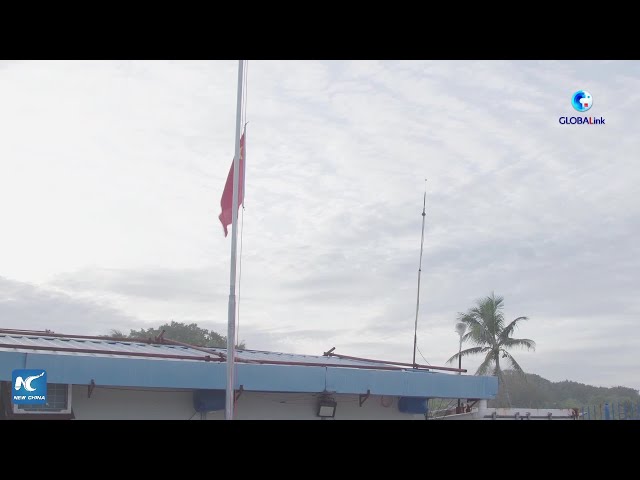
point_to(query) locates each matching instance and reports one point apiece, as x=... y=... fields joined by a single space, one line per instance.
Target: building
x=105 y=378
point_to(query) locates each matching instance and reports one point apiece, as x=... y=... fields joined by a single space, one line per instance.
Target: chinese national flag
x=226 y=202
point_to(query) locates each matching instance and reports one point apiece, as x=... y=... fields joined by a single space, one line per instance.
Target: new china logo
x=581 y=101
x=29 y=387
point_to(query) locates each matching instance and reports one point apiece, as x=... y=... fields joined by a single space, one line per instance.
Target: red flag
x=226 y=202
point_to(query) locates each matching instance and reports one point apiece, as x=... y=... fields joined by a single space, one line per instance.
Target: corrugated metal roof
x=62 y=343
x=261 y=356
x=84 y=360
x=45 y=344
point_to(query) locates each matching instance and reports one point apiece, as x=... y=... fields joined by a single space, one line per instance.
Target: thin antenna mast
x=415 y=331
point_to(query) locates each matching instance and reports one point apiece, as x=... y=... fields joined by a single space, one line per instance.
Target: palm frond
x=473 y=329
x=487 y=312
x=477 y=330
x=509 y=329
x=519 y=343
x=468 y=317
x=487 y=331
x=466 y=353
x=491 y=308
x=485 y=366
x=512 y=361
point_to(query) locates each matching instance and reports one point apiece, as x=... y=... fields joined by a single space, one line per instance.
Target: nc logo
x=29 y=387
x=26 y=384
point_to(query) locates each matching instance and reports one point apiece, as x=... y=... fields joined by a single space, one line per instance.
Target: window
x=58 y=401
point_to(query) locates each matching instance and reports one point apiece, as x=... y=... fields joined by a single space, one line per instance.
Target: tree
x=486 y=329
x=180 y=332
x=114 y=333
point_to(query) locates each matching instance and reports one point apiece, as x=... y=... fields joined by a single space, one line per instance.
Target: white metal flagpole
x=231 y=329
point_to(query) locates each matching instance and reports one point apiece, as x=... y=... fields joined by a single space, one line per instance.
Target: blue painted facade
x=110 y=370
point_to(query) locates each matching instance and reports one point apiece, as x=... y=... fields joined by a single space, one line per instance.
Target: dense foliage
x=181 y=332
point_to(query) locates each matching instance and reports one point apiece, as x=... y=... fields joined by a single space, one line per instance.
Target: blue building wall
x=165 y=373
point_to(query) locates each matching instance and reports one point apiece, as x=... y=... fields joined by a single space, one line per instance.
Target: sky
x=111 y=174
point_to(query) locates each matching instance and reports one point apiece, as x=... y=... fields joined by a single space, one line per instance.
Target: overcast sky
x=111 y=174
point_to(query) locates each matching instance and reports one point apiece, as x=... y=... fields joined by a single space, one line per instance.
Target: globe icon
x=582 y=100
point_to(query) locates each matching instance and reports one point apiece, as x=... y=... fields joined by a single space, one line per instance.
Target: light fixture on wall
x=327 y=408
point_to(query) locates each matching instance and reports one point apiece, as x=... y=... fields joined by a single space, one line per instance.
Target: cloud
x=161 y=284
x=29 y=307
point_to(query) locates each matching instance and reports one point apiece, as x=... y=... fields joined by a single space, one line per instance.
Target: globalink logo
x=29 y=387
x=581 y=101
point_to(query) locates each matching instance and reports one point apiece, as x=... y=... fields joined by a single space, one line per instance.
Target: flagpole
x=231 y=328
x=415 y=331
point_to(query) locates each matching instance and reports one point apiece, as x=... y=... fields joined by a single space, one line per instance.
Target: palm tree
x=486 y=329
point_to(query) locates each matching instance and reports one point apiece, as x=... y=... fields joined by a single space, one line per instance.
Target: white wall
x=120 y=403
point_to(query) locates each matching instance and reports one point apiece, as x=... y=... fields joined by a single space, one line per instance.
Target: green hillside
x=533 y=391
